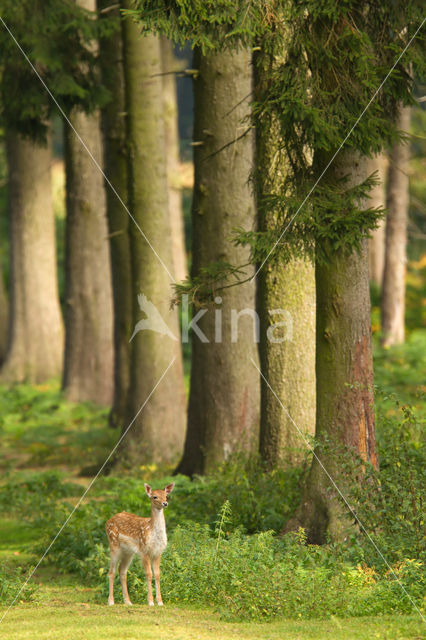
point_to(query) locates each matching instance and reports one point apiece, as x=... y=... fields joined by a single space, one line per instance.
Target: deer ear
x=169 y=488
x=148 y=490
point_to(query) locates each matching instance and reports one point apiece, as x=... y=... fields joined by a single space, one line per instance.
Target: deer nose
x=164 y=504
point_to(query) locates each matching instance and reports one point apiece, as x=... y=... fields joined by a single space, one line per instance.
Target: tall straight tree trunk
x=288 y=364
x=158 y=431
x=35 y=338
x=115 y=165
x=344 y=375
x=169 y=65
x=224 y=392
x=376 y=244
x=88 y=368
x=4 y=314
x=286 y=295
x=393 y=292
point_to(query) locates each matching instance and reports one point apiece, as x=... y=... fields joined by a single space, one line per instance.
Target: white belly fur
x=128 y=544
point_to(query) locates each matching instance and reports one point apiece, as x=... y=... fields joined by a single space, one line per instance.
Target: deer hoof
x=151 y=604
x=160 y=604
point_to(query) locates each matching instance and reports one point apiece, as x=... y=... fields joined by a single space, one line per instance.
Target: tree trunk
x=115 y=165
x=344 y=374
x=158 y=432
x=4 y=314
x=376 y=244
x=289 y=364
x=224 y=392
x=393 y=291
x=88 y=370
x=169 y=64
x=287 y=352
x=35 y=339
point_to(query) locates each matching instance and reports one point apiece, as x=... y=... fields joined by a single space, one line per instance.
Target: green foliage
x=11 y=581
x=390 y=503
x=57 y=36
x=39 y=426
x=415 y=295
x=399 y=373
x=254 y=499
x=223 y=549
x=208 y=24
x=317 y=67
x=259 y=577
x=35 y=495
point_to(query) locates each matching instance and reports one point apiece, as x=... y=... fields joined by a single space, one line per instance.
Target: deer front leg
x=148 y=573
x=124 y=565
x=156 y=566
x=115 y=554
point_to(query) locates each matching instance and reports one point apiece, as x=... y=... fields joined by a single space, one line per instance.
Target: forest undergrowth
x=225 y=548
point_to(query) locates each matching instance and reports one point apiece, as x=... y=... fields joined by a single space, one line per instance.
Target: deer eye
x=155 y=497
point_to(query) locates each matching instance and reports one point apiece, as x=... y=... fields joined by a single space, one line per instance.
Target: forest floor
x=41 y=432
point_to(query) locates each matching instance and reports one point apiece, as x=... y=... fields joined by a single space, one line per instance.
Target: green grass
x=60 y=620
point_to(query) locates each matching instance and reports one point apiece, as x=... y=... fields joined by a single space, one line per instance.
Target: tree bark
x=158 y=432
x=4 y=314
x=88 y=369
x=169 y=64
x=288 y=366
x=115 y=165
x=287 y=353
x=35 y=337
x=224 y=391
x=393 y=291
x=376 y=244
x=344 y=374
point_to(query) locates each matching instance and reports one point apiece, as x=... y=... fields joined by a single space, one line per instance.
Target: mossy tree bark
x=158 y=432
x=115 y=166
x=35 y=337
x=224 y=393
x=286 y=296
x=344 y=375
x=288 y=366
x=393 y=291
x=169 y=65
x=376 y=244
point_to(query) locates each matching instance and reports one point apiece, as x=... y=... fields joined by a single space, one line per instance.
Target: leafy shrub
x=390 y=503
x=259 y=577
x=11 y=581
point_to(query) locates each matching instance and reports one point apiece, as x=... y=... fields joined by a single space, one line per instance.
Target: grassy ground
x=66 y=615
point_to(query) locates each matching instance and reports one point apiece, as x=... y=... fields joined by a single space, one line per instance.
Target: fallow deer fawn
x=129 y=534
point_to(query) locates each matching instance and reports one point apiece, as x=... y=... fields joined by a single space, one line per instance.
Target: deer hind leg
x=148 y=573
x=156 y=567
x=124 y=565
x=115 y=556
